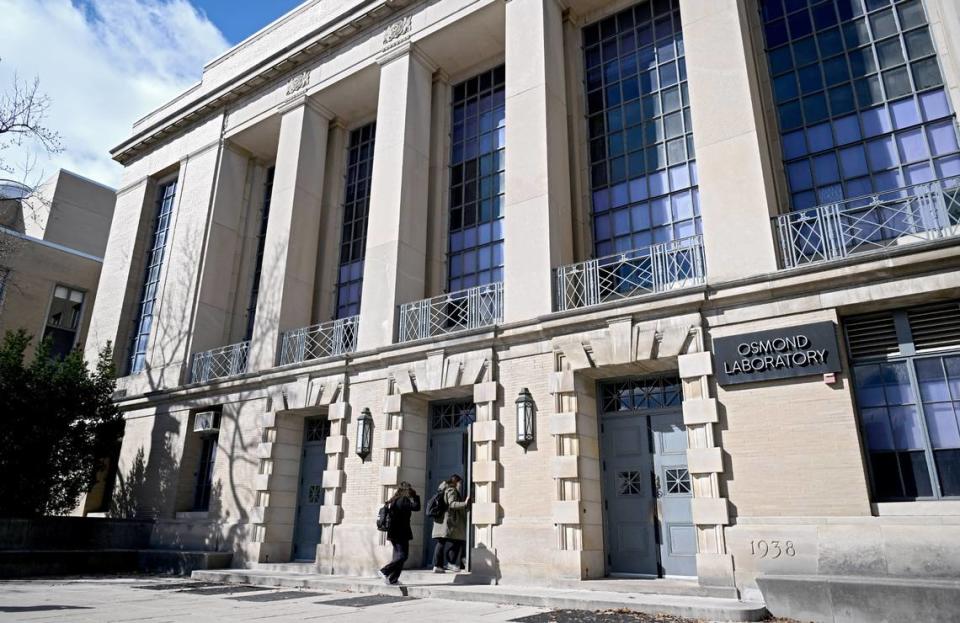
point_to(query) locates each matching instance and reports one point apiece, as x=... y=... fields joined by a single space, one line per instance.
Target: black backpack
x=384 y=518
x=437 y=507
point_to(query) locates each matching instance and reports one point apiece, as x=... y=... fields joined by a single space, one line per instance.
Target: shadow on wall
x=235 y=533
x=147 y=489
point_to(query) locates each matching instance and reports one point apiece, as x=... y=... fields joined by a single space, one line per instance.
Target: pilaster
x=290 y=249
x=394 y=268
x=728 y=127
x=705 y=464
x=538 y=232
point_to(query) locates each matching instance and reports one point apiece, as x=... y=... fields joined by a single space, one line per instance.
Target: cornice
x=282 y=62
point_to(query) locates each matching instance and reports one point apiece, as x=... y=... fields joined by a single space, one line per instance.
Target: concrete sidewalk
x=682 y=599
x=176 y=600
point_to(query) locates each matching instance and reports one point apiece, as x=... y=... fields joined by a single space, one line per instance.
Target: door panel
x=447 y=456
x=678 y=548
x=310 y=496
x=629 y=496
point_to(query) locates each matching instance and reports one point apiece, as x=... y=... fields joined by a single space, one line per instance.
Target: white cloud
x=104 y=64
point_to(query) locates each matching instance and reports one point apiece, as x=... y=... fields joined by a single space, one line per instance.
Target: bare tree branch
x=24 y=109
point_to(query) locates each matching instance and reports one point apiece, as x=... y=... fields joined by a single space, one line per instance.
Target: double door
x=647 y=492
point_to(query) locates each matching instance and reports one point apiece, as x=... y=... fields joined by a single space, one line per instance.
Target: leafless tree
x=24 y=109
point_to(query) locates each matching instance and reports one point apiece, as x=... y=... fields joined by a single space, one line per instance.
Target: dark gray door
x=448 y=454
x=306 y=534
x=629 y=495
x=678 y=537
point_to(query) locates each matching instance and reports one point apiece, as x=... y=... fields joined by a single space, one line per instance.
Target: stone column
x=290 y=250
x=394 y=269
x=328 y=259
x=705 y=464
x=734 y=167
x=220 y=274
x=538 y=232
x=438 y=218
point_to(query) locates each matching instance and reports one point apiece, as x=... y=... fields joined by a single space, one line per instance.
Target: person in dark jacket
x=403 y=502
x=451 y=532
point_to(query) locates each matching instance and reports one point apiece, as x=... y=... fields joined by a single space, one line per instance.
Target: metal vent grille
x=870 y=336
x=935 y=326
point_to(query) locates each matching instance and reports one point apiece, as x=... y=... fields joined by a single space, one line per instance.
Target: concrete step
x=458 y=587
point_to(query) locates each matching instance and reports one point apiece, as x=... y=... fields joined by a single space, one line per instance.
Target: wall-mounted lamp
x=526 y=424
x=364 y=434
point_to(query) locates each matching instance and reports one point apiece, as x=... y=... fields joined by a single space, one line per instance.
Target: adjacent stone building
x=714 y=242
x=52 y=242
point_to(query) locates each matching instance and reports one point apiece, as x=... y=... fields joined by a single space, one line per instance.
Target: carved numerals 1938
x=772 y=549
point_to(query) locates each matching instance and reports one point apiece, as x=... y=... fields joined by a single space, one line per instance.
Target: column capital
x=404 y=49
x=306 y=101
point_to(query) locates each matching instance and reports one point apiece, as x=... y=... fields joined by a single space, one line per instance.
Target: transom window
x=452 y=415
x=475 y=245
x=356 y=207
x=643 y=172
x=860 y=97
x=656 y=392
x=908 y=398
x=258 y=263
x=143 y=320
x=316 y=429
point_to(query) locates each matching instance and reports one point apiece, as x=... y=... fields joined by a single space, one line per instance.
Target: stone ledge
x=860 y=599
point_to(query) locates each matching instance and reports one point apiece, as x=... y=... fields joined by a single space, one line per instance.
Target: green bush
x=57 y=422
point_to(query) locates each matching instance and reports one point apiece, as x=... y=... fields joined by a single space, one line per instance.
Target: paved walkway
x=157 y=600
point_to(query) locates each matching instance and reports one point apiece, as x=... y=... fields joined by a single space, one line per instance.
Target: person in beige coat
x=451 y=533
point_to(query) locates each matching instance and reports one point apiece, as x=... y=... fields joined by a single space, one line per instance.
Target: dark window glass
x=63 y=320
x=475 y=243
x=909 y=412
x=643 y=172
x=356 y=205
x=850 y=64
x=157 y=245
x=258 y=261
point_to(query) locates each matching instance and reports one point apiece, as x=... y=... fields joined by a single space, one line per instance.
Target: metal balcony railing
x=328 y=339
x=903 y=216
x=472 y=308
x=658 y=268
x=219 y=363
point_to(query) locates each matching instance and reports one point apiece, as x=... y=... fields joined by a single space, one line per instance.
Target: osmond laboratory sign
x=777 y=354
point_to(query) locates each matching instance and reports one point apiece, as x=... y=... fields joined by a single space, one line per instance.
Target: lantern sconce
x=526 y=422
x=364 y=434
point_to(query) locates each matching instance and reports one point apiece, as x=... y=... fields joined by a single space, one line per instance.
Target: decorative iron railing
x=903 y=216
x=658 y=268
x=472 y=308
x=219 y=363
x=328 y=339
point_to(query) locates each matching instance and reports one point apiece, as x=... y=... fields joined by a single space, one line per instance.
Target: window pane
x=868 y=56
x=645 y=95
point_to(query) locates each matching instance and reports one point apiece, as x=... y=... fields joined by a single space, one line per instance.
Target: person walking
x=451 y=533
x=403 y=502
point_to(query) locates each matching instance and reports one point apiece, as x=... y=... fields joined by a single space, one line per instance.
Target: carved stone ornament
x=397 y=32
x=298 y=83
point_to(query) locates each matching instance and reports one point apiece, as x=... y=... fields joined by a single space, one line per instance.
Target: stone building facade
x=418 y=209
x=52 y=241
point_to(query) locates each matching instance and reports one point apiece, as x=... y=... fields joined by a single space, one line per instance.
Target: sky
x=106 y=63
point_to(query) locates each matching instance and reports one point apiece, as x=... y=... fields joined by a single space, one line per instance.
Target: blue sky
x=238 y=19
x=107 y=63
